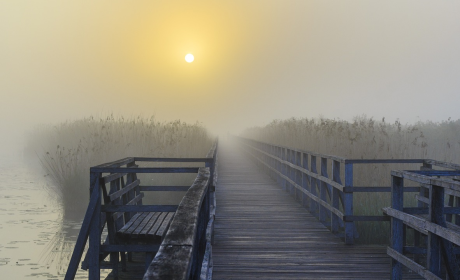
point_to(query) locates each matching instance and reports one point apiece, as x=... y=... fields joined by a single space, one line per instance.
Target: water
x=35 y=242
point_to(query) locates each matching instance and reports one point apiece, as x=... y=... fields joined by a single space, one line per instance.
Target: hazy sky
x=255 y=61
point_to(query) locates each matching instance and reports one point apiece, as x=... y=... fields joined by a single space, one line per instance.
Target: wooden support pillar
x=314 y=204
x=397 y=200
x=305 y=181
x=94 y=233
x=348 y=204
x=323 y=211
x=335 y=196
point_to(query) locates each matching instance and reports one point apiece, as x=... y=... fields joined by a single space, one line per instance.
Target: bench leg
x=114 y=260
x=123 y=261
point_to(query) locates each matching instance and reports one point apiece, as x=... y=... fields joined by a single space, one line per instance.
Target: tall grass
x=67 y=150
x=366 y=138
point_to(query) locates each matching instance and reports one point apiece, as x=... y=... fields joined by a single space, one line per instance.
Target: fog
x=255 y=61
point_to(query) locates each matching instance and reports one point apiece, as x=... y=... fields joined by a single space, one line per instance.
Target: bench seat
x=148 y=227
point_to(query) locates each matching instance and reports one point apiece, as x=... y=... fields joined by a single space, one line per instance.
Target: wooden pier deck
x=262 y=233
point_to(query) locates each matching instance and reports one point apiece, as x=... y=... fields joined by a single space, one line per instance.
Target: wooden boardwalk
x=262 y=233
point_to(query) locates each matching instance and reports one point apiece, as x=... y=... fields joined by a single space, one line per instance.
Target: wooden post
x=323 y=191
x=434 y=241
x=283 y=168
x=397 y=200
x=457 y=217
x=305 y=181
x=313 y=205
x=335 y=196
x=289 y=169
x=348 y=203
x=94 y=233
x=298 y=176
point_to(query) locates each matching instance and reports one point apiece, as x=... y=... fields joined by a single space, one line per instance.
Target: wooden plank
x=144 y=223
x=124 y=190
x=130 y=223
x=111 y=177
x=364 y=161
x=150 y=224
x=165 y=188
x=417 y=222
x=145 y=169
x=378 y=189
x=153 y=230
x=412 y=265
x=154 y=159
x=262 y=233
x=165 y=224
x=130 y=248
x=139 y=208
x=116 y=163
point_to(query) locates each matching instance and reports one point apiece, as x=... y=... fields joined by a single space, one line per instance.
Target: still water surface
x=35 y=242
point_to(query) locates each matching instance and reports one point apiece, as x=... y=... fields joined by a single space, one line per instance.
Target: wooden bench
x=130 y=231
x=148 y=227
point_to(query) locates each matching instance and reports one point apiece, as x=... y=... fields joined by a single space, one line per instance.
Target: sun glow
x=189 y=58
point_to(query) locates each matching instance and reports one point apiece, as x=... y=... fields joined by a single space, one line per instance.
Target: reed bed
x=67 y=150
x=366 y=138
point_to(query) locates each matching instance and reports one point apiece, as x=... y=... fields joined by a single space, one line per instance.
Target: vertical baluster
x=323 y=190
x=298 y=175
x=305 y=181
x=94 y=234
x=397 y=200
x=434 y=241
x=314 y=204
x=335 y=196
x=348 y=203
x=283 y=168
x=288 y=170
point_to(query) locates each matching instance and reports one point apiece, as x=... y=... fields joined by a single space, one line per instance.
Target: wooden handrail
x=175 y=257
x=297 y=171
x=92 y=224
x=430 y=220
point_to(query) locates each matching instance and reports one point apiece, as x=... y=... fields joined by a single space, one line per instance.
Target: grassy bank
x=67 y=150
x=366 y=138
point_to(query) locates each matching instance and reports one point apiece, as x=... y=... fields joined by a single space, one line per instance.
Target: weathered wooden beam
x=145 y=169
x=420 y=270
x=165 y=188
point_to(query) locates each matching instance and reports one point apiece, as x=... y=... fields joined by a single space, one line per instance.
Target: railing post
x=323 y=211
x=298 y=176
x=335 y=196
x=289 y=169
x=305 y=181
x=434 y=241
x=94 y=233
x=283 y=169
x=313 y=205
x=397 y=200
x=348 y=203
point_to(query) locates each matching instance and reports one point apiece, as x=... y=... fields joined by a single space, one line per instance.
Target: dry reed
x=69 y=149
x=365 y=138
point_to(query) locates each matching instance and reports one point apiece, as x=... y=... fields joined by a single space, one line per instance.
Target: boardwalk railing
x=327 y=196
x=186 y=251
x=436 y=233
x=118 y=180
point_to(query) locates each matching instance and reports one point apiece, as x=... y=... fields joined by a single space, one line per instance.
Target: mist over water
x=255 y=61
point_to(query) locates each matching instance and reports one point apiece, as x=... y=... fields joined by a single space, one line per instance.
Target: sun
x=189 y=58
